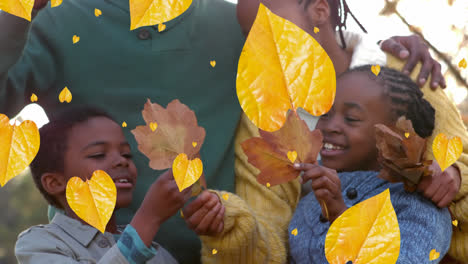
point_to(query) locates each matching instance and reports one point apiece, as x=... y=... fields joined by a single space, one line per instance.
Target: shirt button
x=323 y=219
x=143 y=34
x=103 y=243
x=351 y=193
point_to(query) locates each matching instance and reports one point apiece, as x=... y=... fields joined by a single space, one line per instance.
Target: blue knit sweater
x=423 y=226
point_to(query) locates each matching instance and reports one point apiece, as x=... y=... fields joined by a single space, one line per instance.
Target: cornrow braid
x=339 y=14
x=405 y=96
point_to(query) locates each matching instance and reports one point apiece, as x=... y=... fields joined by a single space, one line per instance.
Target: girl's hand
x=205 y=215
x=327 y=188
x=441 y=187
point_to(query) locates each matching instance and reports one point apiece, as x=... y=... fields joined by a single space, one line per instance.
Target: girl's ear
x=319 y=12
x=54 y=183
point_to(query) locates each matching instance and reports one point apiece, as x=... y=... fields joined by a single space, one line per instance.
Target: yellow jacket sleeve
x=256 y=219
x=449 y=122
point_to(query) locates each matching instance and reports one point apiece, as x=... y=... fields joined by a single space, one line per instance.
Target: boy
x=76 y=143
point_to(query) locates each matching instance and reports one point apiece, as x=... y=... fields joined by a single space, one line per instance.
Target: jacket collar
x=84 y=234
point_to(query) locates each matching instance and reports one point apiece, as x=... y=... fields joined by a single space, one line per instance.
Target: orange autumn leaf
x=269 y=153
x=371 y=224
x=19 y=146
x=177 y=129
x=281 y=68
x=186 y=172
x=152 y=12
x=93 y=200
x=19 y=8
x=446 y=151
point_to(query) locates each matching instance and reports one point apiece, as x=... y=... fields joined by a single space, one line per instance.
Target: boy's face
x=348 y=128
x=99 y=144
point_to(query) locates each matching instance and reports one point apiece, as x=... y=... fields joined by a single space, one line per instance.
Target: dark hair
x=405 y=97
x=339 y=14
x=54 y=139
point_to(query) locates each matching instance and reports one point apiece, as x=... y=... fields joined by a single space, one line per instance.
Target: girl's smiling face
x=99 y=144
x=348 y=128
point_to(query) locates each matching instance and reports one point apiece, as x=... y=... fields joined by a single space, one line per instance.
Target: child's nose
x=120 y=161
x=332 y=125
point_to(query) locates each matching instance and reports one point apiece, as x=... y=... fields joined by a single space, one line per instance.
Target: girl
x=362 y=101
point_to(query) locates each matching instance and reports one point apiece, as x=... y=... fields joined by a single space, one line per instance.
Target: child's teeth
x=331 y=146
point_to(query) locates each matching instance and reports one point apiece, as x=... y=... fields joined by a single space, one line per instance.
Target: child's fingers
x=198 y=203
x=446 y=200
x=215 y=225
x=199 y=214
x=305 y=166
x=440 y=193
x=203 y=227
x=325 y=183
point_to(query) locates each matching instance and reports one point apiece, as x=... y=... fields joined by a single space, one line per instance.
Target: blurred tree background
x=443 y=24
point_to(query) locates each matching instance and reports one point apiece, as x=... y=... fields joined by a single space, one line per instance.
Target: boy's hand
x=205 y=215
x=326 y=186
x=39 y=4
x=441 y=187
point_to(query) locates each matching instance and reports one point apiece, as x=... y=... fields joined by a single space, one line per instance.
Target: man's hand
x=39 y=4
x=441 y=187
x=327 y=188
x=205 y=215
x=413 y=49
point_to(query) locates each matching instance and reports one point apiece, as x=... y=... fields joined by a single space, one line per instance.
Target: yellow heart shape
x=294 y=232
x=268 y=185
x=124 y=124
x=75 y=39
x=446 y=151
x=214 y=251
x=194 y=144
x=213 y=63
x=406 y=135
x=161 y=27
x=97 y=12
x=433 y=255
x=375 y=69
x=153 y=12
x=33 y=98
x=455 y=222
x=153 y=126
x=55 y=3
x=292 y=156
x=186 y=172
x=462 y=63
x=19 y=146
x=93 y=200
x=65 y=95
x=316 y=30
x=226 y=196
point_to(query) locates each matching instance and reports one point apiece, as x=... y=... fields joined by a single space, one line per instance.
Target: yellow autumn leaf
x=213 y=63
x=152 y=12
x=316 y=30
x=282 y=67
x=226 y=196
x=18 y=147
x=194 y=144
x=186 y=172
x=214 y=251
x=462 y=63
x=153 y=126
x=75 y=39
x=33 y=98
x=65 y=95
x=97 y=12
x=455 y=222
x=294 y=232
x=371 y=224
x=124 y=124
x=292 y=156
x=161 y=27
x=446 y=151
x=55 y=3
x=375 y=69
x=433 y=255
x=19 y=8
x=93 y=200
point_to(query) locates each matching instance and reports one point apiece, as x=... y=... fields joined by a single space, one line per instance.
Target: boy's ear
x=54 y=183
x=319 y=12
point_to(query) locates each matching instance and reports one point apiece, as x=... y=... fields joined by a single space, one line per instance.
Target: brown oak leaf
x=177 y=132
x=269 y=153
x=401 y=154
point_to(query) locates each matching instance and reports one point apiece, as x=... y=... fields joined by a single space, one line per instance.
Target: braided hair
x=339 y=14
x=405 y=97
x=54 y=139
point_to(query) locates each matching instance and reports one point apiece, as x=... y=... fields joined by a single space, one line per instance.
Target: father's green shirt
x=118 y=69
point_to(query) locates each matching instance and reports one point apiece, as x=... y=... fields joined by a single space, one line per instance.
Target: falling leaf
x=124 y=124
x=226 y=196
x=268 y=185
x=177 y=129
x=65 y=95
x=462 y=64
x=153 y=12
x=375 y=69
x=294 y=232
x=433 y=255
x=55 y=3
x=181 y=214
x=97 y=12
x=446 y=151
x=19 y=8
x=213 y=63
x=268 y=153
x=214 y=251
x=455 y=222
x=292 y=155
x=282 y=68
x=316 y=30
x=194 y=144
x=371 y=224
x=33 y=98
x=161 y=27
x=186 y=172
x=153 y=126
x=93 y=200
x=19 y=146
x=75 y=39
x=401 y=154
